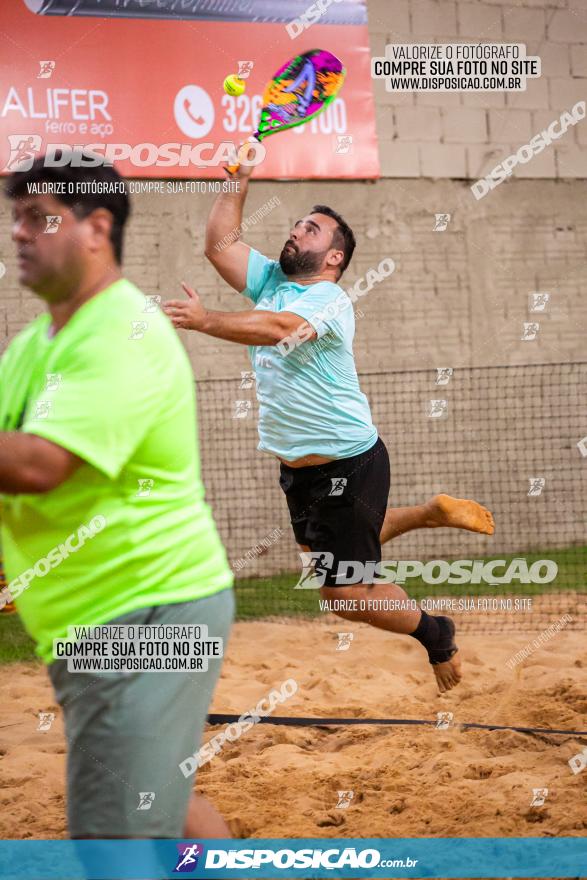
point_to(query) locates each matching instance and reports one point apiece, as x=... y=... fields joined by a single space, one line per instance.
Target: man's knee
x=345 y=602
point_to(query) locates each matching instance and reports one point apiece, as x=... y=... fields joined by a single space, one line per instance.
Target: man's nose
x=19 y=232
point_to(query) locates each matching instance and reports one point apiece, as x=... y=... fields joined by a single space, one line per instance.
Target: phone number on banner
x=242 y=114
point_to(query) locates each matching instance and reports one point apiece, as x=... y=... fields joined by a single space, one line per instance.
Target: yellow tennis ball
x=234 y=85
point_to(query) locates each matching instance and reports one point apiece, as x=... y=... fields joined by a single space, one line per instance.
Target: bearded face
x=295 y=262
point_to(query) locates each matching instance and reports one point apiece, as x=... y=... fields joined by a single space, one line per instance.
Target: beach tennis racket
x=301 y=89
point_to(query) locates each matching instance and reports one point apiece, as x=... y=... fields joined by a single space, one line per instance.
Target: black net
x=508 y=437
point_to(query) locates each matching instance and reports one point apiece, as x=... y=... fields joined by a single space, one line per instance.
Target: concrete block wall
x=457 y=297
x=435 y=134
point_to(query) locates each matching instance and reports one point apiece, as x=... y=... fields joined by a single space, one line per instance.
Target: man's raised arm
x=229 y=255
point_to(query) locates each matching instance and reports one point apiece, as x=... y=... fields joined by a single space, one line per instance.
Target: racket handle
x=241 y=154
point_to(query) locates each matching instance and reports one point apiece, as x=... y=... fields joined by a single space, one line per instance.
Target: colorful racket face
x=300 y=90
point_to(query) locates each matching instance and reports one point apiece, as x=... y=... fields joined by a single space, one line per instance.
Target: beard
x=304 y=263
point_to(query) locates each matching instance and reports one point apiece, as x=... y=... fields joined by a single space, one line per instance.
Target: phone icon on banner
x=194 y=111
x=197 y=120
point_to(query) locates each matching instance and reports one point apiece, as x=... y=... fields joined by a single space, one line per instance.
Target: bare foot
x=448 y=674
x=459 y=513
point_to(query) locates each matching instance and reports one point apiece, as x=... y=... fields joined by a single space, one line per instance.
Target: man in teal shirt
x=103 y=513
x=309 y=394
x=314 y=418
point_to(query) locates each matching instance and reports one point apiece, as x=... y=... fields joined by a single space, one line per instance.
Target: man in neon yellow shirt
x=104 y=519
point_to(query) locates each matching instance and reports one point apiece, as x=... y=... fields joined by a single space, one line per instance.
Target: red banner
x=148 y=91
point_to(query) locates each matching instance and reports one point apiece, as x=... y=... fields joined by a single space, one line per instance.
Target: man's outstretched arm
x=249 y=327
x=229 y=255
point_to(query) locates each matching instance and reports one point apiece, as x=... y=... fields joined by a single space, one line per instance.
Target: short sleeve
x=259 y=269
x=103 y=403
x=326 y=307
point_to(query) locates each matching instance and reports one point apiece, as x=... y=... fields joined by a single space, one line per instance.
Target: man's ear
x=100 y=226
x=335 y=258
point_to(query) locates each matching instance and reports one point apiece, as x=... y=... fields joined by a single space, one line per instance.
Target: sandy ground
x=407 y=781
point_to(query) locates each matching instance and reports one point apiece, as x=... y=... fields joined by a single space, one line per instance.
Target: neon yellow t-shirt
x=130 y=528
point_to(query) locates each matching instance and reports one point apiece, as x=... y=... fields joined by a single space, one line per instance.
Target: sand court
x=403 y=781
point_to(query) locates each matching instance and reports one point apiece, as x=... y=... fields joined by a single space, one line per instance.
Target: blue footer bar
x=303 y=858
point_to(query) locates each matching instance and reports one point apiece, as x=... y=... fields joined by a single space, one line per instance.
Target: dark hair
x=81 y=203
x=343 y=238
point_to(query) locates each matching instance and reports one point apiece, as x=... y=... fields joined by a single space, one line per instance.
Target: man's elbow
x=37 y=478
x=283 y=331
x=214 y=248
x=277 y=338
x=277 y=331
x=30 y=479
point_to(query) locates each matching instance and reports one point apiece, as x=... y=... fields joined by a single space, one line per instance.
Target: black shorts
x=337 y=510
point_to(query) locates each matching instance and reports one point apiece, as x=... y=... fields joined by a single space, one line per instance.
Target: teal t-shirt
x=130 y=528
x=309 y=397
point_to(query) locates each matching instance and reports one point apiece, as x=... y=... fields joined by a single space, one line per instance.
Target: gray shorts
x=128 y=732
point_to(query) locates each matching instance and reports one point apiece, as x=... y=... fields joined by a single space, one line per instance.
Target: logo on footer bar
x=188 y=855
